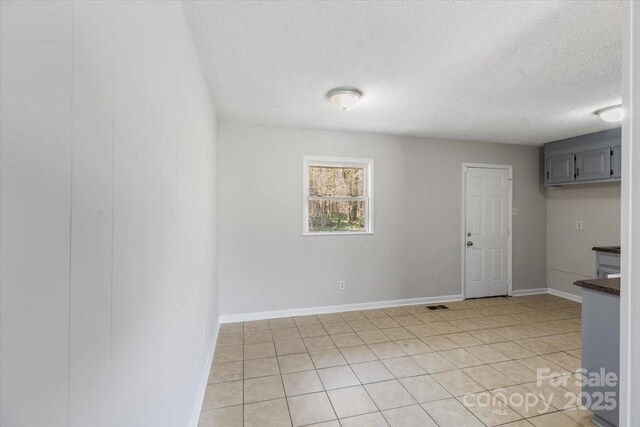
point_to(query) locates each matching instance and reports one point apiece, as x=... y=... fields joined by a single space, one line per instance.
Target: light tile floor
x=472 y=365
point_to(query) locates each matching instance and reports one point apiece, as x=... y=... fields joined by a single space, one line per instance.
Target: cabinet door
x=616 y=162
x=560 y=169
x=593 y=165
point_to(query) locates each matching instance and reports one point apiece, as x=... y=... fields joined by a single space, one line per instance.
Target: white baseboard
x=195 y=416
x=245 y=317
x=275 y=314
x=524 y=292
x=550 y=291
x=565 y=295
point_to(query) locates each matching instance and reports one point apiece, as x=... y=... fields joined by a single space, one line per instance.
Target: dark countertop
x=608 y=286
x=608 y=249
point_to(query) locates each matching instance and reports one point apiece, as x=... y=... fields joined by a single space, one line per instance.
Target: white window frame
x=366 y=164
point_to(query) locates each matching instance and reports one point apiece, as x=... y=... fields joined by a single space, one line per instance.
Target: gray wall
x=108 y=235
x=569 y=254
x=266 y=264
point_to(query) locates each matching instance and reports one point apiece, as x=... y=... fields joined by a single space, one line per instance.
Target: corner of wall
x=197 y=408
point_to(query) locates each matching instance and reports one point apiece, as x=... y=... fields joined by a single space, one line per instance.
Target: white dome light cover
x=344 y=98
x=611 y=114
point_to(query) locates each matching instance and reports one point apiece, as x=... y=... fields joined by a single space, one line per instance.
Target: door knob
x=469 y=243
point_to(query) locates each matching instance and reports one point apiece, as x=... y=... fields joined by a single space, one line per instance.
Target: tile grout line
x=316 y=371
x=284 y=390
x=490 y=390
x=535 y=312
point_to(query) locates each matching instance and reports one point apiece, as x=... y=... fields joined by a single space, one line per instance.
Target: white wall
x=108 y=215
x=569 y=254
x=266 y=264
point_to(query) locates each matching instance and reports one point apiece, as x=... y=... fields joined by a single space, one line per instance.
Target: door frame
x=463 y=241
x=629 y=377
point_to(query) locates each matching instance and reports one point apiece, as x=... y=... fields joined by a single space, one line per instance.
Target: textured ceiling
x=516 y=72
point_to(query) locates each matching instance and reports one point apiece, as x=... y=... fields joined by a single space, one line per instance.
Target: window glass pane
x=333 y=215
x=336 y=181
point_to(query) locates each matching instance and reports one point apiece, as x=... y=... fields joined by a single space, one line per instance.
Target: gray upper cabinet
x=560 y=169
x=593 y=165
x=616 y=162
x=591 y=158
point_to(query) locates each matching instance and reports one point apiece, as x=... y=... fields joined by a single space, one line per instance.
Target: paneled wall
x=108 y=215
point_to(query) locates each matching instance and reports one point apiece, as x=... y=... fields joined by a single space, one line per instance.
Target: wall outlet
x=578 y=225
x=342 y=284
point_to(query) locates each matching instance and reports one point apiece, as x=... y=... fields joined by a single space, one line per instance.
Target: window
x=337 y=196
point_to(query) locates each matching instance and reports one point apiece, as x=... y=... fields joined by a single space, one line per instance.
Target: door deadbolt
x=469 y=234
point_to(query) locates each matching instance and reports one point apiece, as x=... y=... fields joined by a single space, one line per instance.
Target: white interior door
x=487 y=233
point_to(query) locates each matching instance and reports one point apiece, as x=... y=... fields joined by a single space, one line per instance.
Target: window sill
x=338 y=233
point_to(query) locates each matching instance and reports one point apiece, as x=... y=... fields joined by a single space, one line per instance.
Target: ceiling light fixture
x=611 y=114
x=344 y=98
